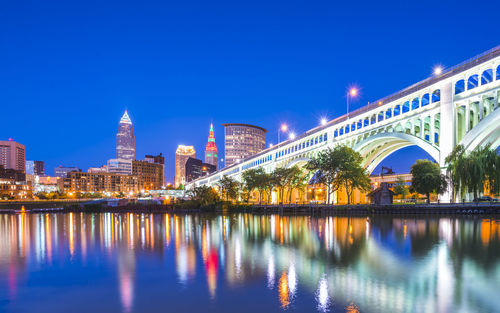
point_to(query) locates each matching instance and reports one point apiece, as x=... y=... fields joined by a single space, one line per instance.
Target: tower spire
x=211 y=154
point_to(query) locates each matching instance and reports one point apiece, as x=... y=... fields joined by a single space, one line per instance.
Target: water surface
x=247 y=263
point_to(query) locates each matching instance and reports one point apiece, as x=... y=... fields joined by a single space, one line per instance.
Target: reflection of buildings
x=380 y=264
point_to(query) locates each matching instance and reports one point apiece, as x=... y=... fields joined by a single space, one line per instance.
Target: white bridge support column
x=447 y=131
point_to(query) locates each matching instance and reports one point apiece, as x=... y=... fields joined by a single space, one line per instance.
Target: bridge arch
x=487 y=131
x=376 y=148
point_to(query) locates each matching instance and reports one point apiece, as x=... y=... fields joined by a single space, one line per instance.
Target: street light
x=283 y=128
x=438 y=70
x=291 y=136
x=323 y=121
x=352 y=93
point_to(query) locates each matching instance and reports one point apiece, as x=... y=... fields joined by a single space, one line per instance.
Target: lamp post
x=283 y=128
x=352 y=93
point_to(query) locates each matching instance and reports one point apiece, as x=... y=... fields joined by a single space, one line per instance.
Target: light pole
x=352 y=93
x=283 y=128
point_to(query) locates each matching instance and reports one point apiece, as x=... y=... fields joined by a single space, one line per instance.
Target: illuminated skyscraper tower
x=211 y=154
x=125 y=140
x=182 y=154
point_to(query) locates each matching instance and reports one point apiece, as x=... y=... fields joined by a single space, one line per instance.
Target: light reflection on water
x=144 y=262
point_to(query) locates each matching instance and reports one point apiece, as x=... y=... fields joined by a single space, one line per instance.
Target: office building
x=12 y=174
x=211 y=153
x=13 y=155
x=242 y=141
x=149 y=174
x=120 y=166
x=182 y=154
x=62 y=171
x=195 y=168
x=100 y=182
x=125 y=139
x=36 y=168
x=102 y=169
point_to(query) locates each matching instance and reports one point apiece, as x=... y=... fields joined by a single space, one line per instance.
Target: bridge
x=459 y=106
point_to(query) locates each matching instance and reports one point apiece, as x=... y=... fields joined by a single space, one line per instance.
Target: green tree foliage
x=400 y=188
x=469 y=171
x=340 y=167
x=427 y=178
x=205 y=195
x=279 y=179
x=229 y=187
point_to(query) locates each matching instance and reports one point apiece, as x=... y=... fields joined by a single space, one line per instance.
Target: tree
x=229 y=187
x=252 y=179
x=204 y=194
x=279 y=179
x=353 y=175
x=294 y=180
x=400 y=188
x=427 y=178
x=340 y=167
x=470 y=171
x=326 y=166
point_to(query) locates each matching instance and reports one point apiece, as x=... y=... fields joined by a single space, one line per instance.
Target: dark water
x=247 y=263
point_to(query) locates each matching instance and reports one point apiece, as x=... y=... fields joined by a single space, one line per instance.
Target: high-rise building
x=242 y=141
x=62 y=171
x=13 y=155
x=182 y=154
x=195 y=169
x=125 y=139
x=211 y=154
x=36 y=168
x=120 y=166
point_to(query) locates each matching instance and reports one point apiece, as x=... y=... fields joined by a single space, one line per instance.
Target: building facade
x=12 y=174
x=120 y=166
x=211 y=153
x=182 y=154
x=101 y=182
x=13 y=155
x=195 y=168
x=35 y=168
x=150 y=175
x=242 y=141
x=125 y=139
x=62 y=171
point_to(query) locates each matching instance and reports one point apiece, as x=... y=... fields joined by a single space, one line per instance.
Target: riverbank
x=225 y=208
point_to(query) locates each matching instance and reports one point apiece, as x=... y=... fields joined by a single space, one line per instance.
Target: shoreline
x=311 y=209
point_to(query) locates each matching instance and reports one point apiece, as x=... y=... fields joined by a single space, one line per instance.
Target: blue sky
x=68 y=69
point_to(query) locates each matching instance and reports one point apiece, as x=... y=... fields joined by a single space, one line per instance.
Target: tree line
x=338 y=168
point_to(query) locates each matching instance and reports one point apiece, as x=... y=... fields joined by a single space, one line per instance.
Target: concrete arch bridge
x=459 y=106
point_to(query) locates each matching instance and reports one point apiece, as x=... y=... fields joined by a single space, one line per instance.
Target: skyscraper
x=13 y=155
x=125 y=139
x=36 y=168
x=182 y=154
x=211 y=154
x=242 y=141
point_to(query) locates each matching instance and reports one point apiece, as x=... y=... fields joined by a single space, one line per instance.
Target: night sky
x=68 y=69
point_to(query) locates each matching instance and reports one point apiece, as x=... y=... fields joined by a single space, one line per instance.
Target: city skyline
x=287 y=69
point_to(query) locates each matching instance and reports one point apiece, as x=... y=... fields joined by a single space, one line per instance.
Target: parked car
x=486 y=199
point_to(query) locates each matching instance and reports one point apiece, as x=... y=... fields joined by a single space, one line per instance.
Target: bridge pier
x=447 y=132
